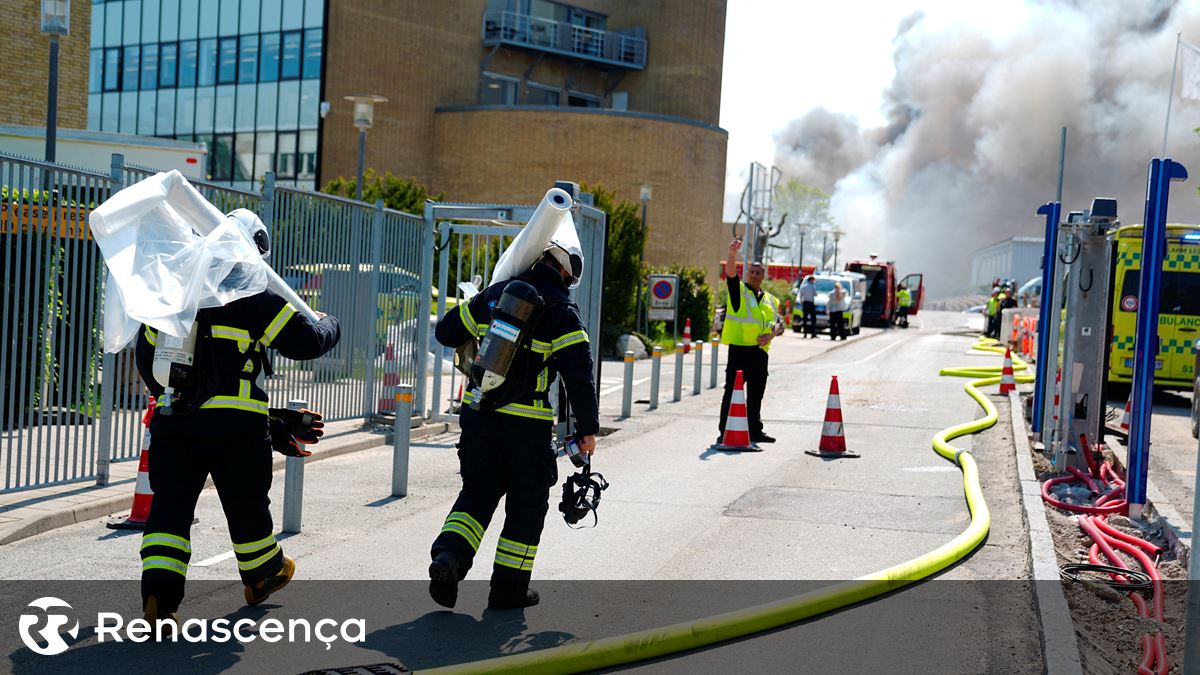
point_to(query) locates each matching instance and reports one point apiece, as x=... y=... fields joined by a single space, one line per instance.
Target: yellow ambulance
x=1179 y=306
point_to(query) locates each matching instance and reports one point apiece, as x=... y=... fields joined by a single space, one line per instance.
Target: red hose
x=1087 y=480
x=1115 y=493
x=1115 y=507
x=1114 y=533
x=1088 y=457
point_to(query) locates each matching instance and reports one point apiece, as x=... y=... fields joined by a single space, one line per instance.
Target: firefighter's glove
x=291 y=430
x=305 y=425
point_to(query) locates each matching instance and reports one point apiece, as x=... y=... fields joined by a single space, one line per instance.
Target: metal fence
x=67 y=408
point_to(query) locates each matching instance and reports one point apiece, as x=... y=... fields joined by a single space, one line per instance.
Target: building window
x=132 y=67
x=220 y=158
x=306 y=156
x=291 y=56
x=167 y=62
x=268 y=64
x=187 y=63
x=539 y=94
x=95 y=71
x=577 y=99
x=207 y=72
x=243 y=157
x=285 y=159
x=112 y=69
x=248 y=61
x=228 y=59
x=149 y=66
x=264 y=155
x=312 y=53
x=497 y=89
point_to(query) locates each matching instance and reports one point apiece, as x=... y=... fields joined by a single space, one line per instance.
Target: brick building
x=489 y=100
x=25 y=63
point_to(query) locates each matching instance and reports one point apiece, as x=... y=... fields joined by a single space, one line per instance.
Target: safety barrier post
x=678 y=372
x=401 y=435
x=293 y=482
x=1044 y=371
x=627 y=387
x=716 y=351
x=698 y=348
x=655 y=372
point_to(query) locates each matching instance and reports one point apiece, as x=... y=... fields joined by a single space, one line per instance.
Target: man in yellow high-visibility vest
x=751 y=321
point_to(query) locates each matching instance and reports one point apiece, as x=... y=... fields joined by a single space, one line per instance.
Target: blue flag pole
x=1145 y=347
x=1045 y=364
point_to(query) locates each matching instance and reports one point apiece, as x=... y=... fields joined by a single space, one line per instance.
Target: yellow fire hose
x=656 y=642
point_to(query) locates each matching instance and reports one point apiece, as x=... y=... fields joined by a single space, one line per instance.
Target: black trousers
x=506 y=456
x=240 y=467
x=837 y=325
x=753 y=362
x=810 y=317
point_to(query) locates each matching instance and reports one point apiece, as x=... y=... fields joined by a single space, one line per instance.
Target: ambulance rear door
x=915 y=283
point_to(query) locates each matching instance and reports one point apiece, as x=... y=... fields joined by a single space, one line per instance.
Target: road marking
x=930 y=469
x=860 y=362
x=208 y=562
x=606 y=392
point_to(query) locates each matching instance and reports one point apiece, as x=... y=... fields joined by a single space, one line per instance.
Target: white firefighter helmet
x=254 y=228
x=564 y=246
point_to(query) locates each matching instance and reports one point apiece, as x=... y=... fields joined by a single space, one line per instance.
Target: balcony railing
x=615 y=48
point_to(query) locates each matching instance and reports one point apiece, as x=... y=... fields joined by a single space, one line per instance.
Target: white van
x=853 y=283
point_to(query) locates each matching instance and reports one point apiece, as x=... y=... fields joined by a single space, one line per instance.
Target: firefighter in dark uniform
x=220 y=425
x=508 y=452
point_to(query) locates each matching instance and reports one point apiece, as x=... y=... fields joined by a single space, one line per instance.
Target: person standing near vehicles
x=807 y=296
x=991 y=324
x=752 y=321
x=839 y=304
x=903 y=302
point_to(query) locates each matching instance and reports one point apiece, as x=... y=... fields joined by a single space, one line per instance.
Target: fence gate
x=469 y=240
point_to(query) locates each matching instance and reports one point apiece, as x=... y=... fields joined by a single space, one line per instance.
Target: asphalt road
x=678 y=512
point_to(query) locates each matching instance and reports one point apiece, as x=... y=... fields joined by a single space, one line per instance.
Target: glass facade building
x=242 y=76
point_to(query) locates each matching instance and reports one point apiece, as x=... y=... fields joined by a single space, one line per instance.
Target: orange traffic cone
x=1007 y=381
x=687 y=336
x=142 y=494
x=737 y=426
x=1128 y=413
x=833 y=438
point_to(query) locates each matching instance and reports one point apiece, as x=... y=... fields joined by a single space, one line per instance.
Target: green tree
x=623 y=264
x=807 y=210
x=400 y=194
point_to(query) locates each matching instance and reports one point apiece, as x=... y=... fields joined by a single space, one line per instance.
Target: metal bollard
x=293 y=483
x=678 y=372
x=698 y=350
x=716 y=350
x=401 y=436
x=655 y=372
x=627 y=387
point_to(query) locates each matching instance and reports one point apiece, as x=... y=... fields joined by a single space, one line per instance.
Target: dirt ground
x=1106 y=623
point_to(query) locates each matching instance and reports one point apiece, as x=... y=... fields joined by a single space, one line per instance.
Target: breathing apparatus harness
x=581 y=495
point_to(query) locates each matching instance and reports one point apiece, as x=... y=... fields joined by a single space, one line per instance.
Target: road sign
x=664 y=297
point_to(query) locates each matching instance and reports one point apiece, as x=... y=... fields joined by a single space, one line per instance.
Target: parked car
x=852 y=282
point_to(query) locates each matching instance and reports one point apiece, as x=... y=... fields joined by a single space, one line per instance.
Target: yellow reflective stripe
x=466 y=519
x=255 y=545
x=536 y=412
x=277 y=324
x=519 y=564
x=242 y=401
x=539 y=347
x=158 y=562
x=151 y=336
x=516 y=548
x=230 y=333
x=463 y=531
x=257 y=562
x=572 y=338
x=164 y=539
x=468 y=321
x=543 y=380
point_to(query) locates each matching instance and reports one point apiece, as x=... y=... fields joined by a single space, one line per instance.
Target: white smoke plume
x=971 y=147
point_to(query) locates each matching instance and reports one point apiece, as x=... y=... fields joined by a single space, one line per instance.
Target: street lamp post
x=824 y=249
x=56 y=22
x=837 y=235
x=364 y=116
x=645 y=197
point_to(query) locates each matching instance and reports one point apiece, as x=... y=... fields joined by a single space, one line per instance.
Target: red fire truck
x=879 y=305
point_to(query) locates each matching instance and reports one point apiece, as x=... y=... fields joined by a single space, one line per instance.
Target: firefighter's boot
x=443 y=579
x=259 y=591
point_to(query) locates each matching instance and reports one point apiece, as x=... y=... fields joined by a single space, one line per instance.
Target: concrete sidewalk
x=29 y=512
